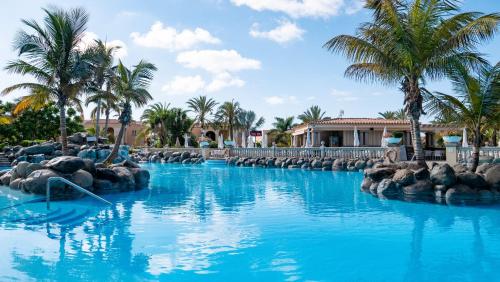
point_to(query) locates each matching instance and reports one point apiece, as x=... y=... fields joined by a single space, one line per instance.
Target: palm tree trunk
x=475 y=149
x=417 y=141
x=62 y=127
x=494 y=139
x=231 y=133
x=106 y=123
x=97 y=119
x=116 y=147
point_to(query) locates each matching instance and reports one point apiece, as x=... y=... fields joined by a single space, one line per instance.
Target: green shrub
x=213 y=145
x=397 y=134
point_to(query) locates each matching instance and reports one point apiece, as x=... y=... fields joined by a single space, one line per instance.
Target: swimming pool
x=217 y=223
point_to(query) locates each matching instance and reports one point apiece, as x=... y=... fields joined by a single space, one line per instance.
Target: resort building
x=339 y=132
x=131 y=132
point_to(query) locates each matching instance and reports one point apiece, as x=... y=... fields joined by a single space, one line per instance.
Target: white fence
x=341 y=152
x=464 y=154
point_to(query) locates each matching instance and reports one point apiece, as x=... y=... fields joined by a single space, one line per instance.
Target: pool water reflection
x=225 y=224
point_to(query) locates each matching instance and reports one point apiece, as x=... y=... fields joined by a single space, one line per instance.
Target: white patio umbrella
x=186 y=140
x=308 y=139
x=294 y=141
x=250 y=142
x=356 y=138
x=264 y=141
x=383 y=142
x=177 y=142
x=221 y=142
x=243 y=140
x=464 y=139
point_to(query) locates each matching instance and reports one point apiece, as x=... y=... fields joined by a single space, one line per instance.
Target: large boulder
x=82 y=178
x=422 y=174
x=443 y=174
x=419 y=188
x=77 y=138
x=32 y=167
x=404 y=177
x=366 y=184
x=460 y=192
x=89 y=166
x=492 y=176
x=46 y=149
x=103 y=186
x=126 y=181
x=316 y=164
x=36 y=183
x=21 y=169
x=141 y=177
x=360 y=165
x=106 y=174
x=5 y=178
x=474 y=181
x=387 y=188
x=16 y=184
x=339 y=165
x=66 y=164
x=377 y=174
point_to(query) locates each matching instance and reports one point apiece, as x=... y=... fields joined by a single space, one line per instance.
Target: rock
x=316 y=164
x=16 y=184
x=377 y=174
x=5 y=179
x=360 y=165
x=77 y=138
x=370 y=163
x=458 y=168
x=492 y=176
x=419 y=188
x=36 y=183
x=103 y=186
x=306 y=165
x=293 y=166
x=365 y=185
x=89 y=166
x=188 y=161
x=270 y=163
x=45 y=149
x=404 y=177
x=422 y=174
x=481 y=169
x=32 y=167
x=21 y=169
x=66 y=164
x=82 y=178
x=141 y=177
x=387 y=188
x=126 y=181
x=126 y=163
x=443 y=174
x=185 y=155
x=474 y=181
x=459 y=192
x=106 y=174
x=339 y=165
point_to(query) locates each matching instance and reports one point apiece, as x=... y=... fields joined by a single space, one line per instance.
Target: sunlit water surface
x=214 y=223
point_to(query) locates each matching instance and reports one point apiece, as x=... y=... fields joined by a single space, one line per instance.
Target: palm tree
x=280 y=132
x=155 y=117
x=227 y=115
x=177 y=123
x=312 y=114
x=130 y=85
x=50 y=55
x=409 y=42
x=399 y=114
x=247 y=121
x=202 y=107
x=102 y=74
x=476 y=107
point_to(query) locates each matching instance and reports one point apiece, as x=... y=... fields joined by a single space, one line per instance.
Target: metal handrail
x=74 y=186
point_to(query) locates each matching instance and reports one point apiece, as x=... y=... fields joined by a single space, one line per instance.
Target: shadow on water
x=195 y=221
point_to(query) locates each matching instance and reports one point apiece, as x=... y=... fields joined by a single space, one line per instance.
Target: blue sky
x=266 y=54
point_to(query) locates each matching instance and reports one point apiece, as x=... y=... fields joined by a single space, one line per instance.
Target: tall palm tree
x=280 y=132
x=311 y=114
x=247 y=121
x=202 y=107
x=177 y=123
x=131 y=87
x=227 y=115
x=50 y=55
x=476 y=105
x=155 y=117
x=102 y=74
x=409 y=42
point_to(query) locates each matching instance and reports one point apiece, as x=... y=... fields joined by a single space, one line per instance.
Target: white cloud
x=217 y=61
x=224 y=80
x=343 y=96
x=184 y=84
x=295 y=8
x=286 y=31
x=165 y=37
x=279 y=100
x=355 y=6
x=89 y=39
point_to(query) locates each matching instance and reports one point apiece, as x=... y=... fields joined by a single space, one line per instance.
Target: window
x=134 y=132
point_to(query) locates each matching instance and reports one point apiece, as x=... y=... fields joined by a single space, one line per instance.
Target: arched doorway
x=211 y=135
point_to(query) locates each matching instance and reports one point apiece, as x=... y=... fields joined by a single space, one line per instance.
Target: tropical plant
x=248 y=121
x=227 y=116
x=280 y=133
x=49 y=54
x=130 y=86
x=409 y=42
x=102 y=74
x=312 y=114
x=399 y=114
x=203 y=108
x=177 y=123
x=155 y=118
x=476 y=105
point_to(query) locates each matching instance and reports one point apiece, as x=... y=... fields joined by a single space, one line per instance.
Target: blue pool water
x=213 y=223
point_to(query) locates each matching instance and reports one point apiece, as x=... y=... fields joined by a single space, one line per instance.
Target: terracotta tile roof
x=368 y=121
